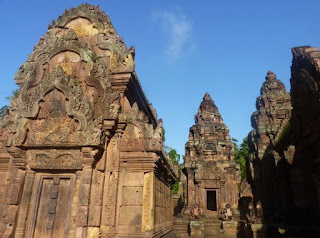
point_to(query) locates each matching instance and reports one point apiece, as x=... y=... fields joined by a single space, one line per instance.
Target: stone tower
x=273 y=111
x=272 y=116
x=81 y=153
x=211 y=171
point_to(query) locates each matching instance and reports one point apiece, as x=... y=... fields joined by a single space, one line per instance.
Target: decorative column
x=20 y=181
x=84 y=192
x=148 y=202
x=109 y=202
x=191 y=187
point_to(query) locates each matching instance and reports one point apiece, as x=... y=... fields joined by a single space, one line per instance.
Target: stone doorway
x=51 y=203
x=212 y=200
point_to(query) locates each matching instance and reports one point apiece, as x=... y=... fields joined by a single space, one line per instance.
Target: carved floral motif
x=54 y=159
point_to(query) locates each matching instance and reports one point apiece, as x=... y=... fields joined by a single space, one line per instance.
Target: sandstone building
x=212 y=174
x=284 y=147
x=81 y=153
x=265 y=167
x=81 y=150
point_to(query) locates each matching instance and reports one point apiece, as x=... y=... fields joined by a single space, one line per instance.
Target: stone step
x=212 y=222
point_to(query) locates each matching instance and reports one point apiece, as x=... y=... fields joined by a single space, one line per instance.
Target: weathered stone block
x=86 y=176
x=9 y=214
x=82 y=216
x=130 y=215
x=96 y=188
x=132 y=196
x=197 y=229
x=93 y=232
x=110 y=216
x=14 y=193
x=133 y=179
x=84 y=194
x=94 y=215
x=3 y=177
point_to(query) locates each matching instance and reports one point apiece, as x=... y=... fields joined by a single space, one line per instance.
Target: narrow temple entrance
x=50 y=211
x=212 y=200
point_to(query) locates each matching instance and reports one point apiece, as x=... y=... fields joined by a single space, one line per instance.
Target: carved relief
x=61 y=99
x=67 y=60
x=74 y=70
x=209 y=171
x=54 y=159
x=139 y=144
x=148 y=203
x=82 y=27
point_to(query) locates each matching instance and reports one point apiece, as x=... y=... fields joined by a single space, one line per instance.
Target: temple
x=271 y=118
x=81 y=148
x=211 y=171
x=212 y=176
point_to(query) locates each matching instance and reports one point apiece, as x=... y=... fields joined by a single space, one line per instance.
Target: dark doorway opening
x=212 y=200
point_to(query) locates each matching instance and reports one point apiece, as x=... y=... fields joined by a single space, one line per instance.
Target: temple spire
x=271 y=75
x=208 y=111
x=272 y=85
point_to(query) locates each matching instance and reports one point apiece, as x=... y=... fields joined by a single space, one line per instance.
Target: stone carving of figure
x=195 y=213
x=114 y=110
x=259 y=211
x=251 y=213
x=227 y=213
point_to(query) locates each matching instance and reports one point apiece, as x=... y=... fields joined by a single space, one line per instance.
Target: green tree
x=176 y=186
x=241 y=152
x=174 y=156
x=172 y=153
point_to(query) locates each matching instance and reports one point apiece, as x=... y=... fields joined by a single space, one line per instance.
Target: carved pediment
x=60 y=120
x=65 y=86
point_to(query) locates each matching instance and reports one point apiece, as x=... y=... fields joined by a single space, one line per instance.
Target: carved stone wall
x=209 y=162
x=81 y=147
x=163 y=205
x=305 y=79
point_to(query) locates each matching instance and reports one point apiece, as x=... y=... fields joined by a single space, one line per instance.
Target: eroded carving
x=54 y=159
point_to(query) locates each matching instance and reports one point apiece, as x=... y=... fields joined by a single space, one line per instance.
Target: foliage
x=163 y=136
x=175 y=188
x=172 y=153
x=175 y=158
x=234 y=140
x=241 y=152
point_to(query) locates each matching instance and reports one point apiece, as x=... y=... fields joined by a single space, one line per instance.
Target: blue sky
x=183 y=48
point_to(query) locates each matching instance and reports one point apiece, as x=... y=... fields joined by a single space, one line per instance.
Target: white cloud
x=178 y=27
